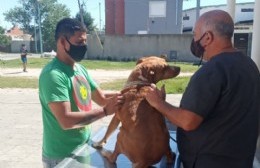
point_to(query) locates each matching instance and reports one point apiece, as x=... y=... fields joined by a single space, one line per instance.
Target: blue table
x=87 y=156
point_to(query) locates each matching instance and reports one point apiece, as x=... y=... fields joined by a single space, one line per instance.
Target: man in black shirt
x=218 y=115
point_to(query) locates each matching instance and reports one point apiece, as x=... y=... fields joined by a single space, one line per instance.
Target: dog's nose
x=177 y=69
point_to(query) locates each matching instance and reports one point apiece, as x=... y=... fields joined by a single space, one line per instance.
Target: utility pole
x=255 y=42
x=81 y=11
x=198 y=10
x=35 y=34
x=40 y=29
x=231 y=8
x=99 y=18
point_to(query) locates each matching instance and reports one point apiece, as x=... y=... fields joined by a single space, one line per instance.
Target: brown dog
x=143 y=136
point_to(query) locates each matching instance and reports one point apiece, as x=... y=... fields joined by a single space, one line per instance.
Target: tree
x=4 y=40
x=50 y=13
x=49 y=25
x=2 y=30
x=88 y=20
x=19 y=16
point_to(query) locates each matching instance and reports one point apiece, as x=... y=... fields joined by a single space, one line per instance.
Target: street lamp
x=39 y=23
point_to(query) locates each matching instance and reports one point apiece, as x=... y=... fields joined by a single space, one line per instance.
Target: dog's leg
x=141 y=165
x=170 y=156
x=111 y=156
x=111 y=128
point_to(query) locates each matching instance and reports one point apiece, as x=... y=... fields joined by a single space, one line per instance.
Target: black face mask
x=76 y=52
x=196 y=48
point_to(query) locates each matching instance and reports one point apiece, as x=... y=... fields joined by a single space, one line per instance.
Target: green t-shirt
x=60 y=82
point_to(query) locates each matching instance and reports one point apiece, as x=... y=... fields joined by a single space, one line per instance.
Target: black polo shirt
x=226 y=93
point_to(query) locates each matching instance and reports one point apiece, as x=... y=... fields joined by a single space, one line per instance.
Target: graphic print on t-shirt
x=81 y=93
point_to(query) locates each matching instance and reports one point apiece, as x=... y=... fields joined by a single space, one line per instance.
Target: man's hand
x=113 y=104
x=155 y=96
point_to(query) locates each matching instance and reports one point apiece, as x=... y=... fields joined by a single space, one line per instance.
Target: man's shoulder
x=228 y=55
x=80 y=66
x=53 y=67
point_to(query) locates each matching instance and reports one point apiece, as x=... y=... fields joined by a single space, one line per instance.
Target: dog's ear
x=140 y=60
x=164 y=56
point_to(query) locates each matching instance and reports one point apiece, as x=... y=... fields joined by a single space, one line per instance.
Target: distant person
x=24 y=52
x=66 y=91
x=218 y=115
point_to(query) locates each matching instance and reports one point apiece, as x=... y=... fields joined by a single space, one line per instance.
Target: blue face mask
x=76 y=52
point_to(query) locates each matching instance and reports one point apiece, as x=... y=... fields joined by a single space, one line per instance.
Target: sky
x=92 y=6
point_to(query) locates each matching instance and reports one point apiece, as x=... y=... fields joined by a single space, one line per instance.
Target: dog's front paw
x=98 y=145
x=108 y=154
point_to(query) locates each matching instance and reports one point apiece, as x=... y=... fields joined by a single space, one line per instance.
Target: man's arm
x=182 y=118
x=101 y=98
x=69 y=120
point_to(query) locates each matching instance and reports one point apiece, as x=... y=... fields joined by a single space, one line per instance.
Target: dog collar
x=136 y=83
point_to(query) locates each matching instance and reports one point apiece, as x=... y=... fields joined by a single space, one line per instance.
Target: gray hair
x=219 y=22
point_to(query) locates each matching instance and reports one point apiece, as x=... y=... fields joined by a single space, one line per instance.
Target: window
x=157 y=9
x=247 y=10
x=186 y=17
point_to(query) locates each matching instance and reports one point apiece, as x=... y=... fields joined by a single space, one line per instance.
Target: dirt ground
x=99 y=75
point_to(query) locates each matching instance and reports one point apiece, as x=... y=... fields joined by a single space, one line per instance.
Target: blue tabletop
x=87 y=156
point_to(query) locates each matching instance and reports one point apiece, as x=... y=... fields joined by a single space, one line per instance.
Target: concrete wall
x=16 y=46
x=95 y=47
x=132 y=47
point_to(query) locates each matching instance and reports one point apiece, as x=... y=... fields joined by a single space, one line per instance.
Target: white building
x=243 y=16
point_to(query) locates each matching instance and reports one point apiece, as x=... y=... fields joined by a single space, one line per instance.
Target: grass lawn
x=18 y=82
x=172 y=86
x=176 y=85
x=91 y=64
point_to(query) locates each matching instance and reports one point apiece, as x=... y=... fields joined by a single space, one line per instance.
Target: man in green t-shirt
x=65 y=92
